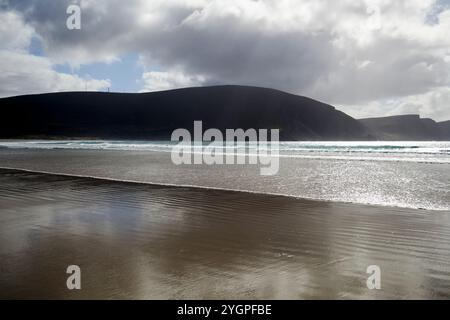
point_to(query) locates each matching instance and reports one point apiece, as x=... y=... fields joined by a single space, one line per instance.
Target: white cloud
x=160 y=80
x=14 y=33
x=24 y=73
x=428 y=104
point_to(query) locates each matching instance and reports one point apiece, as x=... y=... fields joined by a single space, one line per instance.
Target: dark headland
x=407 y=127
x=155 y=115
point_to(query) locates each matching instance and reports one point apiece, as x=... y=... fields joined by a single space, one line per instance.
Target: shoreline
x=156 y=184
x=386 y=184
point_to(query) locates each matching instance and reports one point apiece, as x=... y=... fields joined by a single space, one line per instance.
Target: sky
x=368 y=58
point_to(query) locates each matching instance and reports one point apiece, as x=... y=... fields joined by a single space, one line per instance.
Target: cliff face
x=407 y=127
x=155 y=115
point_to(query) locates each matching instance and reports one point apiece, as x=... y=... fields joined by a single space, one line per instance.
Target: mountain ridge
x=154 y=115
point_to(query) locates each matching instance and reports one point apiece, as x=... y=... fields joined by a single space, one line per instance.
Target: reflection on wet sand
x=143 y=241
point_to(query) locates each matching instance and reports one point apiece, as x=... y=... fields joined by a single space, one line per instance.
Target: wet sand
x=148 y=242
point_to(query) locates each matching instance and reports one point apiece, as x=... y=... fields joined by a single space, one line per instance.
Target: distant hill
x=155 y=115
x=407 y=127
x=445 y=128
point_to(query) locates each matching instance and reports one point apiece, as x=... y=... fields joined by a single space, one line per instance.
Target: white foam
x=396 y=151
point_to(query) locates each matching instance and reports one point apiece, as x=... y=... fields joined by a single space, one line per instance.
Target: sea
x=408 y=174
x=141 y=227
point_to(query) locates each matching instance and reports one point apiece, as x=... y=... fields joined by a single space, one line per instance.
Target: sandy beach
x=144 y=241
x=251 y=150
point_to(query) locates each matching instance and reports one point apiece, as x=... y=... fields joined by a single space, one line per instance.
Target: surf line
x=192 y=149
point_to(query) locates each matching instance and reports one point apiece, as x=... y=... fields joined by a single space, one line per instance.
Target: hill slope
x=445 y=128
x=155 y=115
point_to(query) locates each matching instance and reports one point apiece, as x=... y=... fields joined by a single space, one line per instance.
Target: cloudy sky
x=368 y=58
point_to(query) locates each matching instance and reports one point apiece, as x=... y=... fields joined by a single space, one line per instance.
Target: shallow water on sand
x=143 y=241
x=388 y=183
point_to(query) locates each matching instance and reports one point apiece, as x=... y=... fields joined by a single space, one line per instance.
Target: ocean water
x=398 y=174
x=410 y=151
